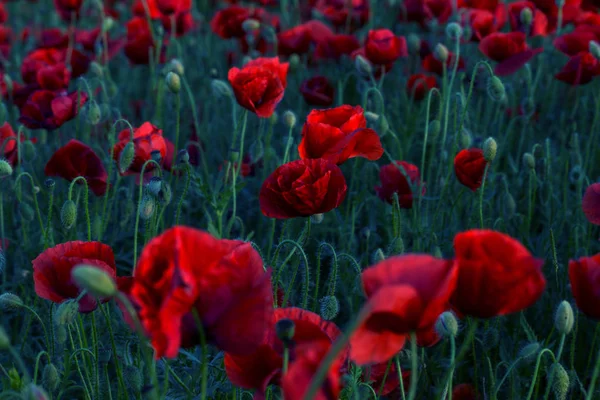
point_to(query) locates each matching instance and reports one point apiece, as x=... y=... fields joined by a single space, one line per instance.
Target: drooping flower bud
x=440 y=52
x=414 y=43
x=250 y=25
x=94 y=114
x=529 y=161
x=95 y=280
x=5 y=169
x=147 y=207
x=68 y=214
x=220 y=88
x=526 y=16
x=560 y=381
x=127 y=156
x=26 y=211
x=564 y=318
x=66 y=313
x=176 y=66
x=329 y=307
x=378 y=256
x=50 y=377
x=10 y=301
x=490 y=147
x=495 y=89
x=363 y=66
x=453 y=31
x=530 y=351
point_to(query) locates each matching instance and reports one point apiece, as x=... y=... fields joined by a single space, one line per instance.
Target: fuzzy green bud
x=530 y=351
x=10 y=301
x=560 y=381
x=220 y=88
x=50 y=377
x=60 y=332
x=127 y=156
x=435 y=128
x=594 y=49
x=490 y=148
x=133 y=377
x=510 y=206
x=68 y=214
x=50 y=183
x=4 y=340
x=564 y=318
x=108 y=24
x=165 y=194
x=274 y=118
x=453 y=31
x=526 y=16
x=440 y=52
x=154 y=184
x=96 y=69
x=446 y=325
x=147 y=207
x=176 y=66
x=173 y=82
x=363 y=66
x=183 y=157
x=295 y=62
x=414 y=43
x=329 y=307
x=268 y=34
x=317 y=218
x=495 y=89
x=285 y=330
x=289 y=119
x=94 y=114
x=491 y=338
x=26 y=211
x=465 y=138
x=250 y=25
x=66 y=313
x=371 y=117
x=529 y=161
x=5 y=169
x=95 y=280
x=378 y=256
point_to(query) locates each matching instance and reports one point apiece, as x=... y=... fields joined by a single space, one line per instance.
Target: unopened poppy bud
x=490 y=147
x=220 y=88
x=329 y=307
x=183 y=156
x=10 y=301
x=127 y=156
x=34 y=392
x=268 y=34
x=295 y=62
x=491 y=338
x=66 y=312
x=289 y=119
x=378 y=256
x=60 y=332
x=440 y=52
x=49 y=183
x=133 y=376
x=107 y=24
x=495 y=89
x=96 y=69
x=594 y=48
x=165 y=195
x=529 y=161
x=250 y=25
x=526 y=16
x=414 y=44
x=530 y=351
x=560 y=382
x=95 y=280
x=564 y=318
x=285 y=330
x=68 y=214
x=173 y=82
x=154 y=184
x=465 y=138
x=50 y=377
x=94 y=114
x=4 y=340
x=371 y=117
x=274 y=118
x=317 y=218
x=363 y=66
x=453 y=31
x=14 y=379
x=26 y=211
x=5 y=169
x=434 y=128
x=147 y=207
x=510 y=206
x=176 y=66
x=446 y=325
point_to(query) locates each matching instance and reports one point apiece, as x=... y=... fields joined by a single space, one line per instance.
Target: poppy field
x=300 y=199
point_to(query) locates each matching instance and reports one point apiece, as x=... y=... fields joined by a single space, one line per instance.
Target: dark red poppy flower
x=264 y=367
x=423 y=11
x=227 y=287
x=588 y=18
x=391 y=386
x=317 y=91
x=394 y=180
x=46 y=67
x=303 y=368
x=184 y=23
x=8 y=144
x=431 y=64
x=77 y=159
x=469 y=167
x=68 y=8
x=6 y=40
x=482 y=23
x=465 y=391
x=509 y=50
x=342 y=12
x=404 y=294
x=52 y=271
x=227 y=23
x=584 y=275
x=419 y=85
x=574 y=43
x=90 y=39
x=570 y=11
x=338 y=134
x=303 y=188
x=139 y=41
x=591 y=203
x=50 y=110
x=146 y=139
x=539 y=23
x=383 y=47
x=170 y=7
x=296 y=40
x=3 y=14
x=580 y=69
x=259 y=86
x=496 y=275
x=334 y=46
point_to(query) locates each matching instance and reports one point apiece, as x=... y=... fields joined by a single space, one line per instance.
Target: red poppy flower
x=340 y=12
x=469 y=167
x=496 y=275
x=3 y=14
x=393 y=180
x=294 y=41
x=170 y=7
x=588 y=18
x=574 y=43
x=584 y=275
x=509 y=50
x=227 y=287
x=139 y=41
x=405 y=294
x=376 y=373
x=317 y=91
x=539 y=23
x=431 y=64
x=227 y=23
x=264 y=367
x=303 y=188
x=383 y=47
x=90 y=38
x=146 y=139
x=591 y=203
x=419 y=85
x=52 y=271
x=580 y=69
x=184 y=23
x=334 y=46
x=46 y=67
x=66 y=8
x=8 y=143
x=259 y=86
x=570 y=10
x=77 y=159
x=464 y=391
x=338 y=134
x=423 y=11
x=482 y=23
x=50 y=110
x=6 y=40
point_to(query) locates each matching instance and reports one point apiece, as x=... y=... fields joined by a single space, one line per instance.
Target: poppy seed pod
x=173 y=82
x=564 y=318
x=446 y=325
x=285 y=330
x=10 y=301
x=49 y=183
x=95 y=280
x=414 y=43
x=50 y=377
x=68 y=214
x=289 y=119
x=594 y=49
x=440 y=52
x=526 y=16
x=363 y=66
x=220 y=88
x=490 y=147
x=5 y=169
x=127 y=157
x=561 y=381
x=495 y=89
x=453 y=31
x=329 y=307
x=529 y=161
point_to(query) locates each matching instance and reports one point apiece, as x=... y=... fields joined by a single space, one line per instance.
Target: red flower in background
x=404 y=294
x=46 y=68
x=335 y=46
x=260 y=85
x=77 y=159
x=52 y=271
x=584 y=275
x=431 y=64
x=50 y=110
x=139 y=41
x=89 y=39
x=146 y=139
x=539 y=22
x=296 y=40
x=591 y=203
x=509 y=50
x=465 y=391
x=6 y=40
x=227 y=286
x=302 y=188
x=469 y=167
x=169 y=7
x=8 y=144
x=264 y=367
x=67 y=8
x=317 y=91
x=339 y=134
x=419 y=85
x=340 y=12
x=570 y=10
x=580 y=69
x=496 y=275
x=482 y=23
x=393 y=180
x=575 y=42
x=382 y=47
x=375 y=374
x=227 y=23
x=423 y=11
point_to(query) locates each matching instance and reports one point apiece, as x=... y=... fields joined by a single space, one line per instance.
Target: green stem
x=414 y=373
x=537 y=368
x=184 y=193
x=86 y=204
x=137 y=215
x=481 y=191
x=204 y=381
